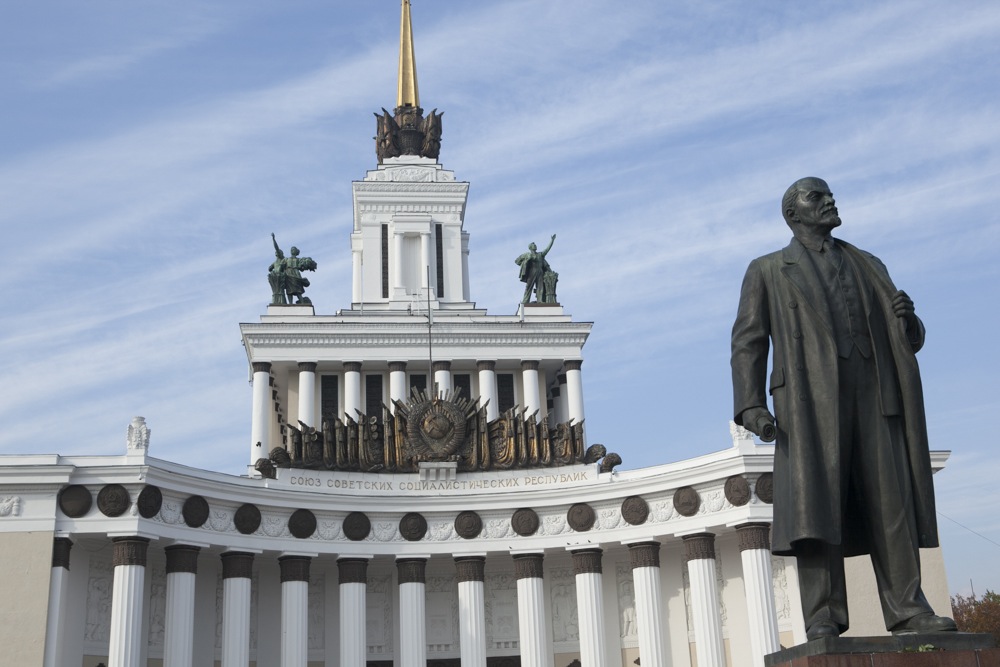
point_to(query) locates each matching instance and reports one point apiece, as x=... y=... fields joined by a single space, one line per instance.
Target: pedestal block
x=939 y=649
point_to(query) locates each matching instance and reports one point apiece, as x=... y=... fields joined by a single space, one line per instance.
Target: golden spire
x=406 y=92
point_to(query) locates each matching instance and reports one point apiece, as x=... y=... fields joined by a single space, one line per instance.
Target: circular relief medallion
x=357 y=526
x=435 y=429
x=765 y=488
x=737 y=490
x=149 y=501
x=195 y=511
x=686 y=501
x=75 y=501
x=581 y=517
x=468 y=524
x=524 y=522
x=247 y=519
x=302 y=524
x=113 y=500
x=413 y=527
x=635 y=510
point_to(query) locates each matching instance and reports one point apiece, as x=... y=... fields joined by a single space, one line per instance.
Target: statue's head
x=278 y=253
x=809 y=202
x=532 y=247
x=295 y=251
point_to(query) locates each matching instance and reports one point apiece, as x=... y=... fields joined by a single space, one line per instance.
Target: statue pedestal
x=291 y=310
x=953 y=649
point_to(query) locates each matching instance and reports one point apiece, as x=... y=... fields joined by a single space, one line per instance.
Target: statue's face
x=532 y=247
x=295 y=251
x=815 y=206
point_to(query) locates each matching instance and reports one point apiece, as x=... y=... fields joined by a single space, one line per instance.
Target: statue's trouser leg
x=881 y=484
x=821 y=583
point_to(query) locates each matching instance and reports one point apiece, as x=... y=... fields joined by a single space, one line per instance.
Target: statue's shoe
x=822 y=629
x=923 y=623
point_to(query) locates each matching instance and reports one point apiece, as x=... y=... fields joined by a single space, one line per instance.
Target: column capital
x=411 y=570
x=60 y=552
x=471 y=568
x=587 y=561
x=486 y=365
x=554 y=391
x=294 y=568
x=699 y=546
x=572 y=364
x=129 y=550
x=352 y=570
x=261 y=366
x=754 y=536
x=528 y=566
x=644 y=554
x=529 y=365
x=182 y=558
x=441 y=366
x=307 y=366
x=239 y=565
x=397 y=366
x=352 y=366
x=561 y=378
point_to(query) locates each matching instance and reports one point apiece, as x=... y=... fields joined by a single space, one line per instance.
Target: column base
x=951 y=649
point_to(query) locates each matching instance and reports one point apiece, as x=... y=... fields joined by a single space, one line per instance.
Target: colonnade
x=566 y=393
x=535 y=641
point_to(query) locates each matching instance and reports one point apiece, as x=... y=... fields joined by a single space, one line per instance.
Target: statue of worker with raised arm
x=534 y=268
x=285 y=277
x=852 y=470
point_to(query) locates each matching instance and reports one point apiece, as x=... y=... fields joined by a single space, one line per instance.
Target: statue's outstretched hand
x=761 y=422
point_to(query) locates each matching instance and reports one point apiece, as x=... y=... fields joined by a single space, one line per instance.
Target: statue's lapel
x=801 y=273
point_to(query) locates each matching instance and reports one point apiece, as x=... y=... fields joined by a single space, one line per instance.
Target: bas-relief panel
x=442 y=614
x=782 y=602
x=562 y=592
x=157 y=607
x=625 y=587
x=378 y=615
x=317 y=612
x=100 y=583
x=501 y=611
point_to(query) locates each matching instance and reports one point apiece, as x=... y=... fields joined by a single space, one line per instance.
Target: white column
x=425 y=259
x=590 y=606
x=129 y=559
x=645 y=561
x=178 y=630
x=357 y=261
x=397 y=263
x=700 y=555
x=529 y=382
x=574 y=393
x=307 y=392
x=260 y=422
x=352 y=389
x=488 y=388
x=442 y=376
x=758 y=580
x=412 y=612
x=465 y=267
x=532 y=622
x=294 y=610
x=562 y=410
x=471 y=610
x=353 y=607
x=397 y=383
x=58 y=586
x=237 y=568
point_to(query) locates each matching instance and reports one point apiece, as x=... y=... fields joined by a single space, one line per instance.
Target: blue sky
x=147 y=151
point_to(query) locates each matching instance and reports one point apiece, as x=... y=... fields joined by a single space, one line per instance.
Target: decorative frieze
x=150 y=501
x=581 y=517
x=247 y=519
x=635 y=510
x=195 y=511
x=764 y=488
x=357 y=526
x=468 y=524
x=686 y=501
x=113 y=500
x=75 y=501
x=302 y=524
x=754 y=536
x=524 y=522
x=413 y=527
x=737 y=490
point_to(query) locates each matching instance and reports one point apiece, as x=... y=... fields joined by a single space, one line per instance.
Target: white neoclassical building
x=419 y=491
